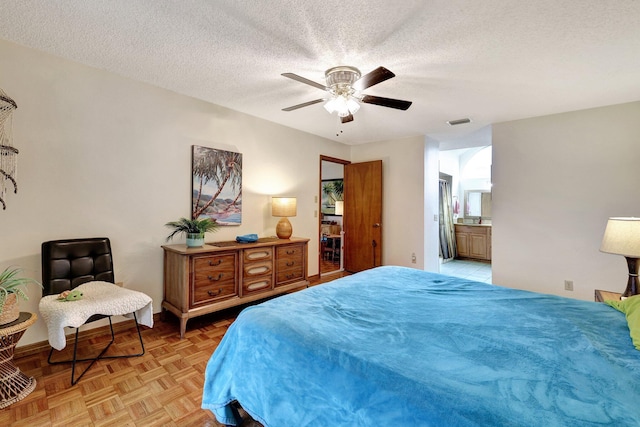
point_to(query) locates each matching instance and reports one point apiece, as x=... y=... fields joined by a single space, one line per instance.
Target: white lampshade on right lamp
x=622 y=237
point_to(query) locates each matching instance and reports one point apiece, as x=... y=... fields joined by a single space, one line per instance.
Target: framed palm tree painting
x=216 y=185
x=332 y=190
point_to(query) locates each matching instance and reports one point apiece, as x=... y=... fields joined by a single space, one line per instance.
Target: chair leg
x=93 y=360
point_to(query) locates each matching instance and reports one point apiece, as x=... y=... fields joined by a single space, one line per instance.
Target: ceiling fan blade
x=347 y=119
x=304 y=104
x=303 y=80
x=386 y=102
x=376 y=76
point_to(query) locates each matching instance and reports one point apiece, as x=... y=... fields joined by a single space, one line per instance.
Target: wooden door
x=362 y=220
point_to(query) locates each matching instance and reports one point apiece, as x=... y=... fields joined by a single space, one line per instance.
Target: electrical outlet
x=413 y=258
x=568 y=285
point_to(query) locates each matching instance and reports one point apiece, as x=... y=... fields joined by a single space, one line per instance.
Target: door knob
x=376 y=225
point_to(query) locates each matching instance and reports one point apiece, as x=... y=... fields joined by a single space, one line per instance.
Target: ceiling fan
x=344 y=84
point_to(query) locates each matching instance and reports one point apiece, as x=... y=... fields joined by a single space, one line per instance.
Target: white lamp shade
x=330 y=106
x=344 y=105
x=622 y=237
x=284 y=206
x=353 y=105
x=339 y=207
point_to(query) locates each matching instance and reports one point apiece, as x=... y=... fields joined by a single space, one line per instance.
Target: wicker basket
x=10 y=311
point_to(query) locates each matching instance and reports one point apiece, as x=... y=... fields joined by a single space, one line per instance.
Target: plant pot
x=10 y=310
x=195 y=240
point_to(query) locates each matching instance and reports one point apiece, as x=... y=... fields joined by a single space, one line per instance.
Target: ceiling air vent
x=459 y=122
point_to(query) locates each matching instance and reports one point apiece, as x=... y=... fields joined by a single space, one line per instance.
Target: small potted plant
x=194 y=229
x=12 y=287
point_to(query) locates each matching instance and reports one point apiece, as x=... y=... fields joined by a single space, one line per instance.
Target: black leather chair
x=69 y=263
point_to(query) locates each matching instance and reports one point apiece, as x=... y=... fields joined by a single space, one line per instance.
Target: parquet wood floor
x=161 y=388
x=328 y=266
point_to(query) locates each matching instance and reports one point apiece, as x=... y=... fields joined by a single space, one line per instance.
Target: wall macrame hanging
x=8 y=153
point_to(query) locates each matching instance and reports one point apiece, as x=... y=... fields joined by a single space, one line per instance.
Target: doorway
x=467 y=174
x=331 y=215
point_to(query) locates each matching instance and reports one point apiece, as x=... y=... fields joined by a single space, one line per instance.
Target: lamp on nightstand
x=622 y=237
x=284 y=207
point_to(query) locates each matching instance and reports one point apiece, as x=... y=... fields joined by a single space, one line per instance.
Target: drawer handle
x=212 y=264
x=213 y=294
x=291 y=251
x=290 y=264
x=289 y=276
x=213 y=279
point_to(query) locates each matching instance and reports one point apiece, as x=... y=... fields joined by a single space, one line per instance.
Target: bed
x=395 y=346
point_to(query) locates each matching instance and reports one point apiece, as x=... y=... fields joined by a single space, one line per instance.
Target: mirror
x=477 y=204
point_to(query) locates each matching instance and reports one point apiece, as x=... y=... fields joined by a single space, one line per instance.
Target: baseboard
x=38 y=347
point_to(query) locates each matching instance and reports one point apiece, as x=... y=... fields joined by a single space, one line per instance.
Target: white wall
x=102 y=155
x=431 y=202
x=556 y=181
x=404 y=207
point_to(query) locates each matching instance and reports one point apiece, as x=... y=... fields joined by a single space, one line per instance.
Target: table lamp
x=284 y=207
x=622 y=237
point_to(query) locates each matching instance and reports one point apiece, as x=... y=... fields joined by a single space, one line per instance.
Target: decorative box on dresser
x=220 y=275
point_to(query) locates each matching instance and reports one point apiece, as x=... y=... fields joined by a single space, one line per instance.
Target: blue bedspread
x=396 y=346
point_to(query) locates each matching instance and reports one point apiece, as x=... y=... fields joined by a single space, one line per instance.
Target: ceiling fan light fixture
x=344 y=86
x=342 y=104
x=330 y=105
x=353 y=105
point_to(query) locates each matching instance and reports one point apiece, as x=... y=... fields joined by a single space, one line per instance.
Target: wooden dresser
x=220 y=275
x=473 y=241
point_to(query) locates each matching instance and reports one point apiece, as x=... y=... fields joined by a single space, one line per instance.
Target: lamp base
x=632 y=283
x=284 y=228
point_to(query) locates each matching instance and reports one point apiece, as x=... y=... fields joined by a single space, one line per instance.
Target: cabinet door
x=478 y=245
x=462 y=242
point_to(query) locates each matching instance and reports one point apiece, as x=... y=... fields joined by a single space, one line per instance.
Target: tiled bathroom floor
x=472 y=270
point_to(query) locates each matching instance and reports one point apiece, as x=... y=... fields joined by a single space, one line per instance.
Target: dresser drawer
x=257 y=254
x=257 y=284
x=257 y=269
x=290 y=251
x=224 y=264
x=213 y=278
x=205 y=294
x=286 y=276
x=289 y=263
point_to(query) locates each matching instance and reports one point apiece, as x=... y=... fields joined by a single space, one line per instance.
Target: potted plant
x=12 y=287
x=193 y=228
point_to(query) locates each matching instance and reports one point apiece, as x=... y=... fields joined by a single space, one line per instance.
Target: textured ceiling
x=491 y=60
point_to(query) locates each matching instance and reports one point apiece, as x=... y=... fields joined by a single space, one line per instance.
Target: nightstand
x=601 y=295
